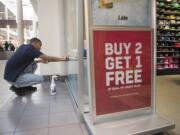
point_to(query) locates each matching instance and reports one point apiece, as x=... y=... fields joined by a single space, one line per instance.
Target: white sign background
x=137 y=11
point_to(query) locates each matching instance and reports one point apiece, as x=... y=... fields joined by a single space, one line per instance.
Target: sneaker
x=24 y=90
x=12 y=88
x=31 y=88
x=20 y=92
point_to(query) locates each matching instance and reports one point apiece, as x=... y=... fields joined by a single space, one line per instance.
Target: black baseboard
x=169 y=72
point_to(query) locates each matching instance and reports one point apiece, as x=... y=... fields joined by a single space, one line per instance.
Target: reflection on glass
x=71 y=41
x=85 y=78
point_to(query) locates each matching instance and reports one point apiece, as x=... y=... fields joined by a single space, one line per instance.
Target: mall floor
x=42 y=114
x=168 y=100
x=38 y=113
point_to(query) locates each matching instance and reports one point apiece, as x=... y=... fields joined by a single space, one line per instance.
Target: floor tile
x=61 y=109
x=84 y=130
x=61 y=119
x=8 y=124
x=32 y=112
x=66 y=130
x=33 y=122
x=168 y=100
x=8 y=133
x=33 y=132
x=61 y=102
x=14 y=105
x=37 y=104
x=40 y=98
x=10 y=115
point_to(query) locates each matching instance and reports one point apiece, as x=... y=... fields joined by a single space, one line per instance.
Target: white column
x=153 y=26
x=20 y=24
x=51 y=32
x=25 y=35
x=35 y=28
x=80 y=42
x=7 y=27
x=63 y=47
x=8 y=32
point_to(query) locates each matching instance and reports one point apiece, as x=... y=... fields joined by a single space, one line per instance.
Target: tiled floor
x=39 y=113
x=168 y=100
x=5 y=95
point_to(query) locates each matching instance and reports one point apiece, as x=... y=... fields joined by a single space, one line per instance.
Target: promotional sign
x=122 y=65
x=121 y=12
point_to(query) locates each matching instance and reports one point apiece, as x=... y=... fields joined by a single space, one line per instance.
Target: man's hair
x=35 y=40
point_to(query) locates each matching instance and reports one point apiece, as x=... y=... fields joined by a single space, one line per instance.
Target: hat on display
x=171 y=66
x=176 y=61
x=178 y=34
x=161 y=4
x=173 y=38
x=175 y=66
x=159 y=66
x=166 y=39
x=172 y=17
x=178 y=18
x=166 y=27
x=161 y=22
x=166 y=66
x=177 y=44
x=176 y=5
x=173 y=21
x=166 y=55
x=173 y=28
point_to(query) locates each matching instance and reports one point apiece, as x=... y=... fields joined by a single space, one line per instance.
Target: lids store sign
x=121 y=12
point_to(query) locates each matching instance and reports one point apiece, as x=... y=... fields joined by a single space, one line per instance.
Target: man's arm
x=52 y=58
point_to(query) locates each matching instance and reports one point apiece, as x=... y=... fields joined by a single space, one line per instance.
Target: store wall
x=51 y=32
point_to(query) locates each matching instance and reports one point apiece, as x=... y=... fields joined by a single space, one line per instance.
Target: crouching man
x=20 y=68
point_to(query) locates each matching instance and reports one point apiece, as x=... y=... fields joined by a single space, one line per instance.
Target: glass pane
x=71 y=41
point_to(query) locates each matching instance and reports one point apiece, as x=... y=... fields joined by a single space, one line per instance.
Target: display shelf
x=174 y=30
x=169 y=13
x=168 y=51
x=166 y=35
x=171 y=41
x=164 y=1
x=166 y=46
x=161 y=63
x=168 y=29
x=170 y=8
x=175 y=24
x=168 y=71
x=168 y=56
x=166 y=18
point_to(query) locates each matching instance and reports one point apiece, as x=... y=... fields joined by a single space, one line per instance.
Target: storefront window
x=71 y=41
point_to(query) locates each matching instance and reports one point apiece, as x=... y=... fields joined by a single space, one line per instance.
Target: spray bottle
x=53 y=85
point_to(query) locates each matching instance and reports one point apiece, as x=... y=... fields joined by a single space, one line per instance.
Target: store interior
x=168 y=25
x=167 y=50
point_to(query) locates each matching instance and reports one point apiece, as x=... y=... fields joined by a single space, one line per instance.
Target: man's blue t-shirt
x=19 y=61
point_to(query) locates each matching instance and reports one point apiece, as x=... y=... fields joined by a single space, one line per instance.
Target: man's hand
x=66 y=58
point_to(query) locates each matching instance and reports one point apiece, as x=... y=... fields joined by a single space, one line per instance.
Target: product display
x=168 y=36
